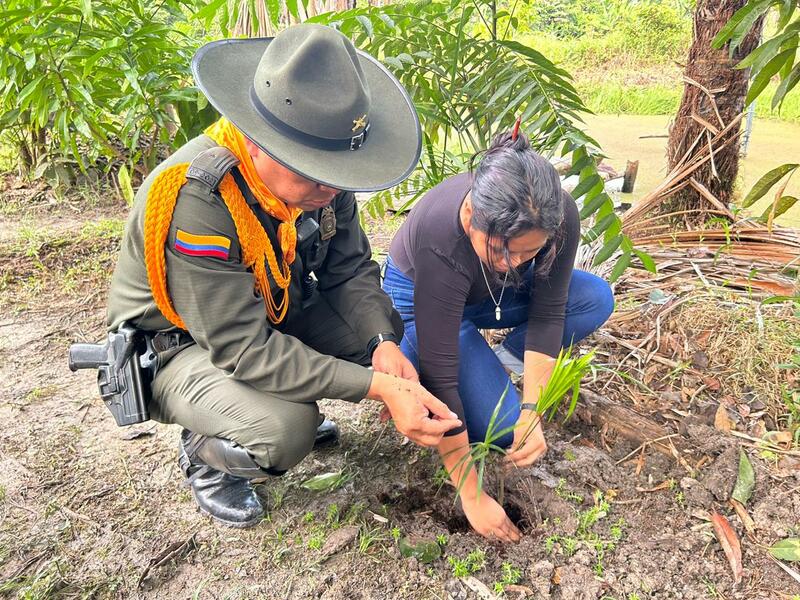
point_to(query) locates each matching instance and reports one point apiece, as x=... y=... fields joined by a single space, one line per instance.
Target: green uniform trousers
x=192 y=392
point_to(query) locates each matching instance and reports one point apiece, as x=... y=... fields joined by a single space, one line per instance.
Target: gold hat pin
x=359 y=122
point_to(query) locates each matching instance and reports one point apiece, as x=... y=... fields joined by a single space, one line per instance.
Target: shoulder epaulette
x=210 y=166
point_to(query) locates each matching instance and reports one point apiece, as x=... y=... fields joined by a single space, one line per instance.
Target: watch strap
x=378 y=340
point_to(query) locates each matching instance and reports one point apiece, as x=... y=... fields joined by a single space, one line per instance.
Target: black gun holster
x=126 y=365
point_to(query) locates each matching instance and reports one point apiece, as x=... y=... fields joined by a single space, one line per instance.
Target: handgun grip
x=87 y=356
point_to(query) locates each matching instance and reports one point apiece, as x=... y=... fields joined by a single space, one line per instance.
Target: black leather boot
x=327 y=433
x=219 y=473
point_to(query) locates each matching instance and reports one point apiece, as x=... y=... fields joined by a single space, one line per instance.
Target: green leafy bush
x=84 y=78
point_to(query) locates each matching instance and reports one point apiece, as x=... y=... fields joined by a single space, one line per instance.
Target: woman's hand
x=529 y=443
x=388 y=359
x=488 y=518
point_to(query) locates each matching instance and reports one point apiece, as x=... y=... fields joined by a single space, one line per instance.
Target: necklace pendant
x=497 y=313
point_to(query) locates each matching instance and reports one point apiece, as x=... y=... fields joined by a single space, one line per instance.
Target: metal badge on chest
x=327 y=223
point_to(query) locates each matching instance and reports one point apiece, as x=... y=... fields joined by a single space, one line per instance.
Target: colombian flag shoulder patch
x=215 y=246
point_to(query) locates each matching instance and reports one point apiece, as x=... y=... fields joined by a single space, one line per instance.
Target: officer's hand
x=388 y=358
x=417 y=414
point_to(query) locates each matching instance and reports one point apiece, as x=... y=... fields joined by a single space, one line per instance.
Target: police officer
x=244 y=259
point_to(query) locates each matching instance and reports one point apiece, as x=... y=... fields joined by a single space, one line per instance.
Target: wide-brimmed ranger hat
x=315 y=104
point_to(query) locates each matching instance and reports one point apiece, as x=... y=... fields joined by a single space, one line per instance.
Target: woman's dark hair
x=514 y=190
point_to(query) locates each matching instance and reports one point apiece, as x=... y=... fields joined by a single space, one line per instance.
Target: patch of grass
x=42 y=585
x=749 y=344
x=40 y=393
x=354 y=512
x=614 y=98
x=41 y=260
x=106 y=229
x=790 y=392
x=368 y=537
x=586 y=534
x=275 y=546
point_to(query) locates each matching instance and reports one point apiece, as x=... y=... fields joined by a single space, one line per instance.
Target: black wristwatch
x=378 y=340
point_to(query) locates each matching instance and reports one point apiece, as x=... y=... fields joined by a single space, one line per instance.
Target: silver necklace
x=497 y=311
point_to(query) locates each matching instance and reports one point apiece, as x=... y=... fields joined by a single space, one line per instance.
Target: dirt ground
x=91 y=510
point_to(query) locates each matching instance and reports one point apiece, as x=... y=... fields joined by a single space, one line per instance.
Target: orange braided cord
x=157 y=218
x=253 y=240
x=256 y=247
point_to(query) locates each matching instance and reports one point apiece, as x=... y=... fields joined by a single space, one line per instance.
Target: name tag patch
x=215 y=246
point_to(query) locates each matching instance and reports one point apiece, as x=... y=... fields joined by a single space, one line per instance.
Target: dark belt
x=164 y=341
x=167 y=344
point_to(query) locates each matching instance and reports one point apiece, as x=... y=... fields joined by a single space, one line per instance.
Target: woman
x=492 y=248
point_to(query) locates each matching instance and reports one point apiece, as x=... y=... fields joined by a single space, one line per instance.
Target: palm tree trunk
x=713 y=96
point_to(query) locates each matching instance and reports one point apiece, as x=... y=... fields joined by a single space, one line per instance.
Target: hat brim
x=224 y=70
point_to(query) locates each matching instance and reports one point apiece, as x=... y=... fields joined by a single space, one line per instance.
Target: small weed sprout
x=586 y=536
x=332 y=516
x=617 y=529
x=458 y=566
x=570 y=455
x=510 y=576
x=473 y=563
x=277 y=495
x=395 y=533
x=441 y=539
x=440 y=477
x=316 y=540
x=308 y=517
x=476 y=560
x=565 y=494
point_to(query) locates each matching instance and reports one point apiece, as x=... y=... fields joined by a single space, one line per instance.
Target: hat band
x=350 y=143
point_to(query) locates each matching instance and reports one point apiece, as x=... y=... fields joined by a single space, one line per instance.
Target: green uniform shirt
x=217 y=301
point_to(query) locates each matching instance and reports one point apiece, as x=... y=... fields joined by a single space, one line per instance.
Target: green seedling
x=510 y=576
x=441 y=539
x=395 y=533
x=316 y=540
x=332 y=517
x=565 y=494
x=566 y=377
x=473 y=563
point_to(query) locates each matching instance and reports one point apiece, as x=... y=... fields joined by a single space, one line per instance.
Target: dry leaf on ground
x=730 y=544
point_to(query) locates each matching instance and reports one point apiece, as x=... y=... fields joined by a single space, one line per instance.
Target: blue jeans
x=481 y=377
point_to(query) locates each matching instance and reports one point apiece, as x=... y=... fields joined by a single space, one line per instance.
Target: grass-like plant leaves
x=566 y=376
